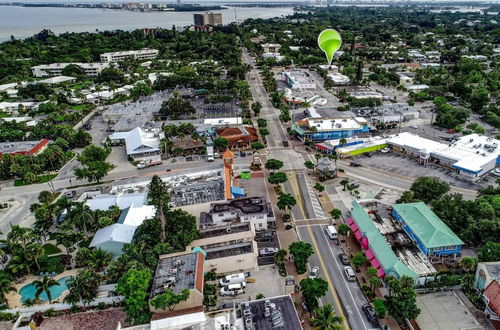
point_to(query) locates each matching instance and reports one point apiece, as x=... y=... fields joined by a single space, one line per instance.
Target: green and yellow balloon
x=329 y=41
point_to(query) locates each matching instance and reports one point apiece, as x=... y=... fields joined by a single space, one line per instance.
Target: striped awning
x=358 y=235
x=374 y=262
x=369 y=254
x=380 y=273
x=364 y=243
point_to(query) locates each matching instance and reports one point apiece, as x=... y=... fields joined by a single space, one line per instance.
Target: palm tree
x=83 y=217
x=5 y=286
x=326 y=319
x=44 y=286
x=68 y=238
x=35 y=252
x=158 y=196
x=100 y=259
x=64 y=204
x=344 y=183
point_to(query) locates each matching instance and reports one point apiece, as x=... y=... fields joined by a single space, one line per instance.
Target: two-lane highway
x=341 y=292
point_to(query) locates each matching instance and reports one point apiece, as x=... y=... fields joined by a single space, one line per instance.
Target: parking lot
x=267 y=243
x=208 y=110
x=409 y=167
x=267 y=282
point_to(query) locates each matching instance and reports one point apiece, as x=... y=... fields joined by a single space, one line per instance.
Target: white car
x=314 y=272
x=269 y=251
x=413 y=126
x=349 y=273
x=385 y=150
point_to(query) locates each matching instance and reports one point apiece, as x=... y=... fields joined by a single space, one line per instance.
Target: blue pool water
x=28 y=291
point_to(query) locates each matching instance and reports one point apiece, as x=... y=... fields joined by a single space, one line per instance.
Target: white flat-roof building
x=366 y=94
x=55 y=69
x=472 y=156
x=328 y=124
x=56 y=80
x=329 y=68
x=214 y=122
x=417 y=88
x=312 y=113
x=298 y=80
x=139 y=144
x=142 y=54
x=122 y=200
x=13 y=107
x=271 y=48
x=276 y=56
x=339 y=79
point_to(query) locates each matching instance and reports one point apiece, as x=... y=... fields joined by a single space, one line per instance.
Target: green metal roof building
x=430 y=233
x=377 y=250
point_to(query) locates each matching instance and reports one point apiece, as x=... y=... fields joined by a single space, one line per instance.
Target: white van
x=233 y=289
x=331 y=232
x=232 y=279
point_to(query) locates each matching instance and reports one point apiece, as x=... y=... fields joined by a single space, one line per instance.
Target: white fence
x=62 y=306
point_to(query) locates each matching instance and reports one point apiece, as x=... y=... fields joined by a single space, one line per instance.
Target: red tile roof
x=39 y=146
x=200 y=260
x=492 y=293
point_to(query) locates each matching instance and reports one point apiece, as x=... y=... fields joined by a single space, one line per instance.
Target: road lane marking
x=343 y=278
x=330 y=283
x=294 y=185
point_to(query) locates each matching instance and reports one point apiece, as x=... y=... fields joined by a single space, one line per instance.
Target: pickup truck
x=143 y=164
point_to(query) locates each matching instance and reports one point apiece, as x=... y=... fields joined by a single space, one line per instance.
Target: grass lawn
x=79 y=107
x=40 y=179
x=49 y=249
x=5 y=114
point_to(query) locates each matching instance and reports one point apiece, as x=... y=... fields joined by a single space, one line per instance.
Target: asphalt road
x=268 y=112
x=341 y=292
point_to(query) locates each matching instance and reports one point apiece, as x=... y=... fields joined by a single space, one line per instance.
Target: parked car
x=354 y=164
x=70 y=194
x=265 y=237
x=233 y=289
x=227 y=305
x=413 y=126
x=385 y=150
x=314 y=272
x=269 y=251
x=285 y=143
x=349 y=273
x=344 y=259
x=232 y=279
x=370 y=313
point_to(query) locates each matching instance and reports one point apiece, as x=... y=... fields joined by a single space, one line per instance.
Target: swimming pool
x=28 y=291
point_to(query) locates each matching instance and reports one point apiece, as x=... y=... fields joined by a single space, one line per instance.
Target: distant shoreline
x=142 y=7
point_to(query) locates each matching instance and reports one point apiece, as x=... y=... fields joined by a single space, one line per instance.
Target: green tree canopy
x=301 y=252
x=427 y=188
x=169 y=299
x=134 y=287
x=312 y=290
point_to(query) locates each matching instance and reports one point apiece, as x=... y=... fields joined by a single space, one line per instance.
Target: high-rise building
x=207 y=18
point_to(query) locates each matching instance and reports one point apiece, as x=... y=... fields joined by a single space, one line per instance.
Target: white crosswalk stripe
x=318 y=210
